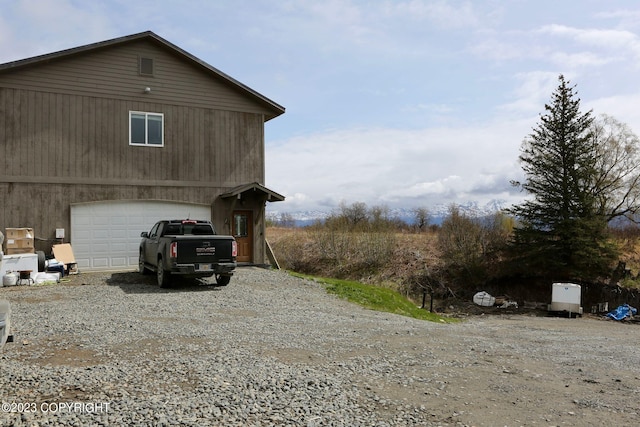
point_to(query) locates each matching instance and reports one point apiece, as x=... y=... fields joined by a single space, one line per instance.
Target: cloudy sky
x=394 y=103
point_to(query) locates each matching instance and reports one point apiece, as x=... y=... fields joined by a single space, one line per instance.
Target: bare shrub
x=291 y=249
x=331 y=243
x=471 y=247
x=348 y=249
x=354 y=214
x=374 y=248
x=428 y=281
x=422 y=218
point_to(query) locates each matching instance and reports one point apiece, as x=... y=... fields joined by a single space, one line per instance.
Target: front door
x=243 y=233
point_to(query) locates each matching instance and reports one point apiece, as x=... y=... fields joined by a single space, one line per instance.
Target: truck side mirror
x=144 y=234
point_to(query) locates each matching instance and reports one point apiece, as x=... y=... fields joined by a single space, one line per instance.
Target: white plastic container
x=5 y=321
x=566 y=297
x=42 y=277
x=484 y=299
x=19 y=263
x=10 y=279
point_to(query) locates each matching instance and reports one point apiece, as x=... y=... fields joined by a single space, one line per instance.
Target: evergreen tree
x=562 y=233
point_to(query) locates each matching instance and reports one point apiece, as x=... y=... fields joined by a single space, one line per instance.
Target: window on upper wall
x=146 y=129
x=145 y=66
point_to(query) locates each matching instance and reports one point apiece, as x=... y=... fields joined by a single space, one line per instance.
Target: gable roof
x=272 y=196
x=272 y=106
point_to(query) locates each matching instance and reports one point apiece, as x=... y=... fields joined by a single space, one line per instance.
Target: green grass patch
x=375 y=298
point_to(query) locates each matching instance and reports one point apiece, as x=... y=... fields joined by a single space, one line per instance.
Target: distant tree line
x=360 y=216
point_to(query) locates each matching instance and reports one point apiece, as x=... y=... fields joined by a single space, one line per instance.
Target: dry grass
x=400 y=255
x=411 y=254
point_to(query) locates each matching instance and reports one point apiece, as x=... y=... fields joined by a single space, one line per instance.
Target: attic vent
x=146 y=66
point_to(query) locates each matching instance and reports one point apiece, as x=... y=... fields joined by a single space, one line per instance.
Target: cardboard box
x=22 y=243
x=18 y=233
x=64 y=254
x=19 y=251
x=19 y=241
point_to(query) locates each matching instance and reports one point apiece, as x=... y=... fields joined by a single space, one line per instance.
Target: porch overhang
x=257 y=189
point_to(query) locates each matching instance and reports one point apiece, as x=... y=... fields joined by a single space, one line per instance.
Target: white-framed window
x=146 y=129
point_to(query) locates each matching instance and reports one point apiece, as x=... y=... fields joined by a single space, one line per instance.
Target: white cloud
x=596 y=37
x=623 y=107
x=40 y=26
x=438 y=187
x=532 y=91
x=580 y=59
x=398 y=167
x=611 y=44
x=622 y=18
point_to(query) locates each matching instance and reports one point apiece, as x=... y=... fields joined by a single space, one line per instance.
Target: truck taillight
x=234 y=249
x=173 y=250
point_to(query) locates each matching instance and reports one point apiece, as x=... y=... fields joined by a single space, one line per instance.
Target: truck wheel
x=222 y=280
x=164 y=277
x=142 y=269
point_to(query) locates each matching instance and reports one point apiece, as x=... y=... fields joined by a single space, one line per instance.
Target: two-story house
x=99 y=141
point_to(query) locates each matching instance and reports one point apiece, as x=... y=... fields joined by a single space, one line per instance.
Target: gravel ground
x=272 y=350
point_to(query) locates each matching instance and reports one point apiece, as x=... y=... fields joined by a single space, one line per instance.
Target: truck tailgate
x=204 y=249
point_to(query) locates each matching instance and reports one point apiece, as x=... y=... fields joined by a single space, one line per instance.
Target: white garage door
x=106 y=235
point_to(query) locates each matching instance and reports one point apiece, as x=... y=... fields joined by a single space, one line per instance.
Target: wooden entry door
x=243 y=233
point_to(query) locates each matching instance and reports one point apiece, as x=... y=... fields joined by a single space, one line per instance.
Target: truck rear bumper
x=204 y=270
x=226 y=268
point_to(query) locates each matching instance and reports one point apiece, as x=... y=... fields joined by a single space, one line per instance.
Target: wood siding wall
x=80 y=139
x=113 y=73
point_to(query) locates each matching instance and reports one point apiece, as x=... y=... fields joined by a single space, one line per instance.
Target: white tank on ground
x=566 y=297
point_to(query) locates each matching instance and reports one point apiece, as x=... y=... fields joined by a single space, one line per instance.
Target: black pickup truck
x=190 y=248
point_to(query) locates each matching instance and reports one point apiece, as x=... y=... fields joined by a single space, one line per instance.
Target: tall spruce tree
x=561 y=233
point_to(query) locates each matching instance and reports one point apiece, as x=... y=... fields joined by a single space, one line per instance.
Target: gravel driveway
x=270 y=350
